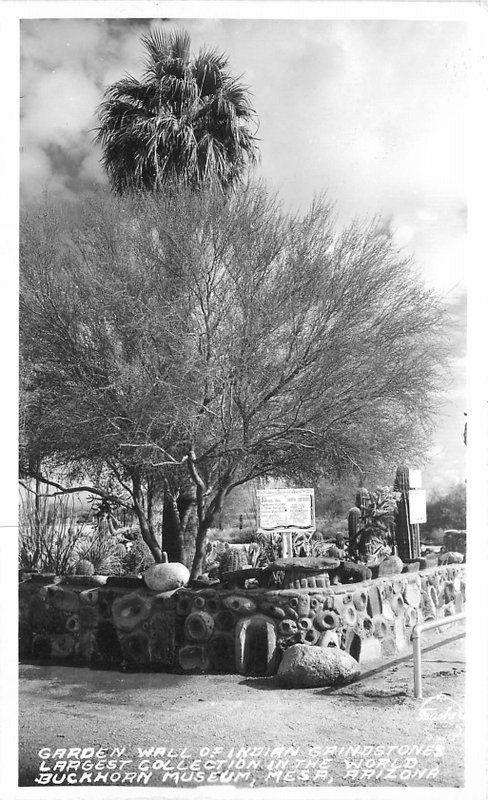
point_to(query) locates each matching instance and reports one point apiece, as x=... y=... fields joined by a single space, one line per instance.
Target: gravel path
x=293 y=737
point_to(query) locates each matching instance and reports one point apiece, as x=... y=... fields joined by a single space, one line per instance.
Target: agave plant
x=376 y=537
x=379 y=513
x=186 y=120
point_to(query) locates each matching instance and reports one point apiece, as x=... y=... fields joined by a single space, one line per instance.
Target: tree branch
x=75 y=489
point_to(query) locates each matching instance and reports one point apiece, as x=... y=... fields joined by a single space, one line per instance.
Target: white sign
x=415 y=478
x=286 y=508
x=417 y=505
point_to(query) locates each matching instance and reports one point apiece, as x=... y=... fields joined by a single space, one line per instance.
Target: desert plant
x=371 y=523
x=269 y=548
x=232 y=559
x=103 y=552
x=53 y=539
x=138 y=558
x=49 y=533
x=379 y=512
x=84 y=567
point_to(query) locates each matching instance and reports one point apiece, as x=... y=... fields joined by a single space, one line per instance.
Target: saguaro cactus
x=362 y=499
x=353 y=528
x=407 y=535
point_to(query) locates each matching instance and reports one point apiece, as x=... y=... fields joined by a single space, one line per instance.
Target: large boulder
x=303 y=666
x=166 y=576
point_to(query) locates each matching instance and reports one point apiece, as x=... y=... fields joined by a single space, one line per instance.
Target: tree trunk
x=179 y=526
x=200 y=550
x=189 y=525
x=145 y=522
x=204 y=523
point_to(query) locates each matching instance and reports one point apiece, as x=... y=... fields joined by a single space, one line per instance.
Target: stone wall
x=114 y=623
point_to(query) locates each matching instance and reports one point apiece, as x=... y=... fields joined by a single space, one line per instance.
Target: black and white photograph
x=246 y=421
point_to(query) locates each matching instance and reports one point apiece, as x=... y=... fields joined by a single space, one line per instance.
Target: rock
x=44 y=578
x=303 y=666
x=62 y=645
x=370 y=650
x=193 y=658
x=328 y=639
x=411 y=595
x=85 y=581
x=239 y=604
x=305 y=564
x=411 y=616
x=237 y=578
x=129 y=611
x=350 y=572
x=327 y=620
x=360 y=599
x=390 y=566
x=427 y=606
x=397 y=604
x=451 y=558
x=63 y=599
x=388 y=647
x=349 y=615
x=125 y=581
x=388 y=612
x=399 y=631
x=414 y=566
x=164 y=577
x=375 y=601
x=199 y=626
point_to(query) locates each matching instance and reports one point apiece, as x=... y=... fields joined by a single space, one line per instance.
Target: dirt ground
x=291 y=737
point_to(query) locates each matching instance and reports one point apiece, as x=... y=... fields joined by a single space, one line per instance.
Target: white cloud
x=61 y=109
x=91 y=168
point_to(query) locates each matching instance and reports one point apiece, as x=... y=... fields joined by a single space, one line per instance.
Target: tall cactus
x=407 y=535
x=353 y=528
x=362 y=499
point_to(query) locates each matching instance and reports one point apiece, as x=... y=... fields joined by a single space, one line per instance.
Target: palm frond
x=164 y=49
x=185 y=120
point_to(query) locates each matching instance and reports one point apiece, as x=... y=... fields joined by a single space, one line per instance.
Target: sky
x=372 y=112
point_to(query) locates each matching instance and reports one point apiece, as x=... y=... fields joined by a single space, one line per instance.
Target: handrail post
x=417 y=646
x=417 y=664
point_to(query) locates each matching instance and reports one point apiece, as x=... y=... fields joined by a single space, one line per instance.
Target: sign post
x=416 y=503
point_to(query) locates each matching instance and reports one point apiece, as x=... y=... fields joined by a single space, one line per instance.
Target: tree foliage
x=180 y=346
x=447 y=509
x=186 y=120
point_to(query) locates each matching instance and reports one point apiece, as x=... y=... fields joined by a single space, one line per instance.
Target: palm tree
x=187 y=120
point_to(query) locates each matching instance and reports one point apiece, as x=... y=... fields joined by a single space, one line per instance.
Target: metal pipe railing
x=417 y=650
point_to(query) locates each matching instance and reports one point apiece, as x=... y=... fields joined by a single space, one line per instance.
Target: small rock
x=451 y=558
x=304 y=666
x=390 y=566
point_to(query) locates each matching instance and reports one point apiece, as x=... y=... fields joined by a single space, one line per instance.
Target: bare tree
x=187 y=344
